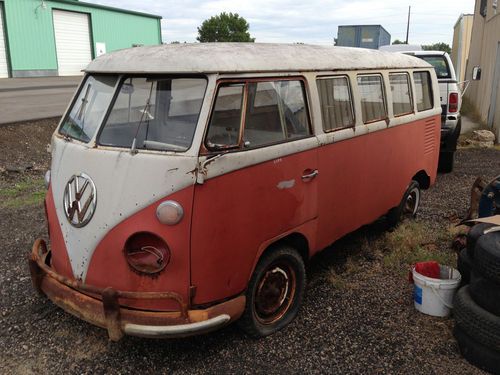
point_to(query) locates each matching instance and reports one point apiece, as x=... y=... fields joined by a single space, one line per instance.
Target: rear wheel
x=275 y=291
x=408 y=207
x=446 y=161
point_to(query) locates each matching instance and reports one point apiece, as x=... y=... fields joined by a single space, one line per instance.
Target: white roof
x=246 y=57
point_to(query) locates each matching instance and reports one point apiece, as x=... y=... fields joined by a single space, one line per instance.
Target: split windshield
x=147 y=113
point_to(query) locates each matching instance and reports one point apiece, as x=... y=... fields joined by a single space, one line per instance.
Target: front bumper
x=77 y=299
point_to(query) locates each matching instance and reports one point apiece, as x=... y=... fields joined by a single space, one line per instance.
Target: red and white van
x=190 y=184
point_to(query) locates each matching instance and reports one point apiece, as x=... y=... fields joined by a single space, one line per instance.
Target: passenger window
x=276 y=112
x=225 y=122
x=423 y=88
x=401 y=98
x=372 y=98
x=336 y=104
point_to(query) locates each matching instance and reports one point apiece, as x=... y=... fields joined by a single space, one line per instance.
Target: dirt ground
x=357 y=316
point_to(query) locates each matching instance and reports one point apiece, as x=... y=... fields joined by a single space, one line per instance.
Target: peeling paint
x=286 y=184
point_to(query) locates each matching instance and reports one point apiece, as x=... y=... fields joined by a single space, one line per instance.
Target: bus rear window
x=423 y=90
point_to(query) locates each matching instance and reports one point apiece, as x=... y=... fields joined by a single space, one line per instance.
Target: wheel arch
x=423 y=179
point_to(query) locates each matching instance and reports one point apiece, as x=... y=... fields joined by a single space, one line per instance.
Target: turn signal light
x=453 y=103
x=169 y=212
x=147 y=253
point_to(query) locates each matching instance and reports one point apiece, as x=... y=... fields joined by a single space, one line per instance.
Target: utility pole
x=408 y=24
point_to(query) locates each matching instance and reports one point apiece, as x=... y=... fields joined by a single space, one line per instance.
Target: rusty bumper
x=78 y=299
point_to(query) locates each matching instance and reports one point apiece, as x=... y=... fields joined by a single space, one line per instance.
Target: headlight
x=147 y=253
x=169 y=212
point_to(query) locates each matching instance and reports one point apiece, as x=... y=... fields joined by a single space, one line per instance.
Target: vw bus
x=190 y=184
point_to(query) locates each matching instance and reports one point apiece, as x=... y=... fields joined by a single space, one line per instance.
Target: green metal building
x=60 y=37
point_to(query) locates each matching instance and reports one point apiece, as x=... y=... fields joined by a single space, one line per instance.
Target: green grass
x=27 y=191
x=413 y=242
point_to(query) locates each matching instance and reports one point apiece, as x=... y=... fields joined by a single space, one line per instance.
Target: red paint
x=237 y=212
x=359 y=180
x=108 y=266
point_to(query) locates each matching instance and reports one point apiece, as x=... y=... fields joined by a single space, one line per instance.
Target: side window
x=224 y=127
x=336 y=103
x=276 y=111
x=423 y=89
x=372 y=98
x=401 y=98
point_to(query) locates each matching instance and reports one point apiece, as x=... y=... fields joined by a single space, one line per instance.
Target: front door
x=257 y=181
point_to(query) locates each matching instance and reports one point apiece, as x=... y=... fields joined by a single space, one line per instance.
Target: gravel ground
x=367 y=325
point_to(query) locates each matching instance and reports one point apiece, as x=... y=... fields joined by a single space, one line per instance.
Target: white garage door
x=3 y=55
x=72 y=42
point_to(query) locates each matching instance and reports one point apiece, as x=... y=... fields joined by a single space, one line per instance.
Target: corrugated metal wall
x=31 y=32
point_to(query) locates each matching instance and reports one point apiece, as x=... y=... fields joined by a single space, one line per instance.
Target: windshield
x=154 y=113
x=440 y=65
x=89 y=107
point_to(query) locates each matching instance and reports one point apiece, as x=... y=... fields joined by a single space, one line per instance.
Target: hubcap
x=412 y=203
x=275 y=293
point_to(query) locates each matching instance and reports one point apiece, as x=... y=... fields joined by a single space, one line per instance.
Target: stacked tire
x=477 y=303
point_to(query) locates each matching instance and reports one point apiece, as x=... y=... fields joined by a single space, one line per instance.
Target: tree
x=397 y=41
x=437 y=47
x=225 y=27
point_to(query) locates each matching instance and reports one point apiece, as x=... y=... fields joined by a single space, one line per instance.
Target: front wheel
x=408 y=207
x=275 y=291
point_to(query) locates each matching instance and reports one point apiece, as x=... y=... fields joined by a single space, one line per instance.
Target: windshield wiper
x=145 y=112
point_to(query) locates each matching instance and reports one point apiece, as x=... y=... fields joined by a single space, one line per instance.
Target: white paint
x=72 y=35
x=4 y=72
x=100 y=49
x=124 y=186
x=246 y=58
x=286 y=184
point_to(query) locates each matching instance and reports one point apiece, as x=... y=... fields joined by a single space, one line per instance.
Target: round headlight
x=147 y=253
x=169 y=212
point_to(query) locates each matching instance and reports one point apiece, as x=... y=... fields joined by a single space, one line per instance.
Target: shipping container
x=363 y=36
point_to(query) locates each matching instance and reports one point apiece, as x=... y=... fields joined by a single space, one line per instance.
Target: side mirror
x=476 y=73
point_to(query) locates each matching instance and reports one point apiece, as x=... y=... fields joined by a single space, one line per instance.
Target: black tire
x=464 y=266
x=408 y=207
x=487 y=256
x=475 y=232
x=485 y=293
x=275 y=292
x=477 y=354
x=481 y=325
x=446 y=161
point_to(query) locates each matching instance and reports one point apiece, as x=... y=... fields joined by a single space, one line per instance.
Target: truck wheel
x=487 y=256
x=408 y=207
x=275 y=291
x=485 y=293
x=446 y=161
x=481 y=325
x=477 y=354
x=464 y=266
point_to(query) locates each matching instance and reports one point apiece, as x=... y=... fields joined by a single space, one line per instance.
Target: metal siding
x=4 y=70
x=72 y=34
x=31 y=32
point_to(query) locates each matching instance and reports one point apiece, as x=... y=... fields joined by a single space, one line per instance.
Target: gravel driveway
x=365 y=324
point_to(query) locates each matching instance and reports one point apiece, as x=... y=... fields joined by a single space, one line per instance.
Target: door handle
x=309 y=176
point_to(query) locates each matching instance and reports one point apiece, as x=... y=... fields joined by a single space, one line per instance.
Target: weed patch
x=26 y=191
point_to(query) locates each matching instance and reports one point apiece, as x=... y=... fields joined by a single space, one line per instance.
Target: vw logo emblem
x=80 y=199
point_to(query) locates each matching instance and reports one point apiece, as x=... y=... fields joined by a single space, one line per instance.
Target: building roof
x=247 y=57
x=105 y=7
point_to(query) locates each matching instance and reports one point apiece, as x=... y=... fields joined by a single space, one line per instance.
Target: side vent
x=429 y=137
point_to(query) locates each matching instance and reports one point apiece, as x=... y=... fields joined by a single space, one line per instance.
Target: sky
x=309 y=21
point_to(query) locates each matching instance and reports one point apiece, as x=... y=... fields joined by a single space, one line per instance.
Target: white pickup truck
x=451 y=101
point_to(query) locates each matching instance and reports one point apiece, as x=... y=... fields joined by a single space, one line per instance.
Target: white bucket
x=435 y=296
